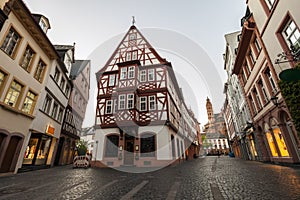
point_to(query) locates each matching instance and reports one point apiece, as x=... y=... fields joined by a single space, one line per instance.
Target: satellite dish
x=292 y=74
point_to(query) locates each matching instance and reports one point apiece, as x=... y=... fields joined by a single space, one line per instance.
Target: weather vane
x=133 y=20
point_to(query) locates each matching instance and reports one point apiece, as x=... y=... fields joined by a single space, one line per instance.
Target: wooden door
x=129 y=148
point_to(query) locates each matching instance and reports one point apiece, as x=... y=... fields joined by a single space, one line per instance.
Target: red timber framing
x=132 y=86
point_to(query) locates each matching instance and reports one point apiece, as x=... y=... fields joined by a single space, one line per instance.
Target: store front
x=37 y=150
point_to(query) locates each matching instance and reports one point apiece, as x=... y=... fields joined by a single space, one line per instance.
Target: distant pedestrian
x=219 y=154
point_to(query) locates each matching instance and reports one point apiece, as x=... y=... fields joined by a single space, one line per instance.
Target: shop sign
x=50 y=129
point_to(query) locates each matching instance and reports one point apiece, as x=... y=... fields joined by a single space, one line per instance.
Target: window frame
x=122 y=102
x=24 y=56
x=7 y=100
x=108 y=104
x=152 y=101
x=40 y=71
x=33 y=102
x=143 y=102
x=15 y=47
x=130 y=99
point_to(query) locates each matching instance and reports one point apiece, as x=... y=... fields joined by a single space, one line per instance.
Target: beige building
x=26 y=57
x=269 y=28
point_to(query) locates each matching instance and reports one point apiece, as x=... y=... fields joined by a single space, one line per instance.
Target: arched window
x=270 y=141
x=112 y=143
x=148 y=145
x=279 y=138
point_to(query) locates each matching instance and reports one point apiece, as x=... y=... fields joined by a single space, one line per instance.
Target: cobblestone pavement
x=203 y=178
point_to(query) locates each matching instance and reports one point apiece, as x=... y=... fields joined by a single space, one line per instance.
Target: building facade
x=26 y=58
x=79 y=73
x=237 y=115
x=141 y=118
x=269 y=28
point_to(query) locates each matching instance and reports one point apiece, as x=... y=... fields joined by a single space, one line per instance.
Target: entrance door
x=59 y=150
x=129 y=148
x=10 y=154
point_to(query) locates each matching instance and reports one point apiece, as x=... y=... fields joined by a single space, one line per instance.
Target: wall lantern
x=136 y=147
x=121 y=148
x=274 y=100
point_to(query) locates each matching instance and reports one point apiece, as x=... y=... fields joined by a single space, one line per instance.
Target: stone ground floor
x=203 y=178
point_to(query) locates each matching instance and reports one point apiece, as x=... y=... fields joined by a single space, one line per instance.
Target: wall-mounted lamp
x=274 y=100
x=136 y=147
x=121 y=148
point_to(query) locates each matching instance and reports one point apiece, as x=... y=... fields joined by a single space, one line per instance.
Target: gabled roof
x=77 y=67
x=132 y=42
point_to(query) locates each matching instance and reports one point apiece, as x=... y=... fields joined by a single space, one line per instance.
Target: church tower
x=209 y=109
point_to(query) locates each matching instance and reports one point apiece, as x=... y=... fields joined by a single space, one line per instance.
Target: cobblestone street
x=203 y=178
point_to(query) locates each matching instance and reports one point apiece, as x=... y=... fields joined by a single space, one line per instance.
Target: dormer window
x=43 y=25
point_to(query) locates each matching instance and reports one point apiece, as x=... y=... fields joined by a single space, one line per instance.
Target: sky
x=189 y=34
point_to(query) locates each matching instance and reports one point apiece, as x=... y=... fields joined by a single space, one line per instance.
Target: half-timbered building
x=141 y=118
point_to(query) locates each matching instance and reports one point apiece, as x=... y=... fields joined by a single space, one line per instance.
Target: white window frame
x=143 y=100
x=152 y=102
x=122 y=100
x=143 y=75
x=123 y=73
x=130 y=101
x=130 y=72
x=112 y=80
x=151 y=75
x=291 y=32
x=109 y=104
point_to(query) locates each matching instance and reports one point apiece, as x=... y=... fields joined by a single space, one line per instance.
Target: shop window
x=148 y=145
x=40 y=71
x=30 y=151
x=111 y=147
x=11 y=42
x=271 y=144
x=27 y=58
x=29 y=103
x=43 y=150
x=13 y=94
x=280 y=142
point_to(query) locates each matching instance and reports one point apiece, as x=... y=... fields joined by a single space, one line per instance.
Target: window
x=11 y=42
x=27 y=58
x=29 y=102
x=62 y=83
x=259 y=106
x=292 y=35
x=43 y=26
x=108 y=106
x=252 y=104
x=75 y=97
x=130 y=101
x=143 y=103
x=131 y=72
x=54 y=110
x=111 y=147
x=271 y=81
x=13 y=94
x=252 y=60
x=148 y=145
x=132 y=39
x=40 y=70
x=123 y=73
x=270 y=3
x=56 y=75
x=60 y=114
x=115 y=105
x=151 y=75
x=134 y=55
x=122 y=101
x=152 y=104
x=67 y=90
x=2 y=79
x=257 y=45
x=143 y=75
x=47 y=104
x=263 y=90
x=112 y=79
